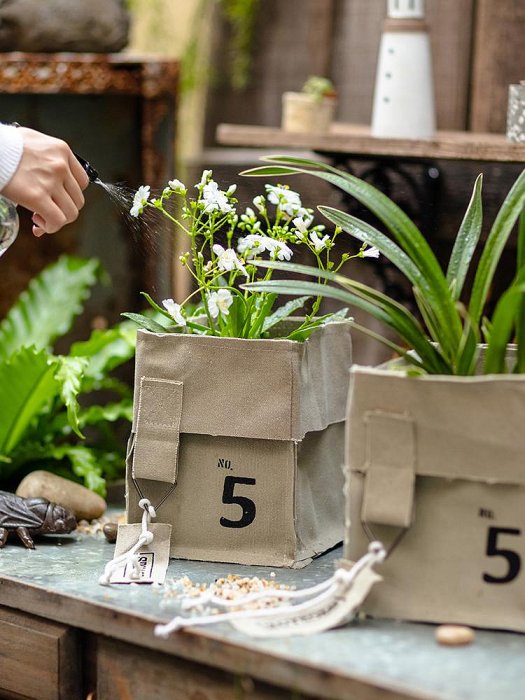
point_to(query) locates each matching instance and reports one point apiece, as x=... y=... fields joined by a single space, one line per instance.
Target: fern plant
x=47 y=400
x=448 y=338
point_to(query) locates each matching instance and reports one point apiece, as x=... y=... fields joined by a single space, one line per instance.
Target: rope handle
x=130 y=557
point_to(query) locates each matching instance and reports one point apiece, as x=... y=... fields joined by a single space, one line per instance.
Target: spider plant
x=448 y=336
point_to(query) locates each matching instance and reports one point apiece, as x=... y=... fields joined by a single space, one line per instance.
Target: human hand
x=48 y=181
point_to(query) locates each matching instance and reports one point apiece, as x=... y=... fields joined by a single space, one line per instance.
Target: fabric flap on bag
x=390 y=475
x=157 y=430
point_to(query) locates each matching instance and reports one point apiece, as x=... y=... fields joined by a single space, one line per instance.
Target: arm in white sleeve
x=11 y=149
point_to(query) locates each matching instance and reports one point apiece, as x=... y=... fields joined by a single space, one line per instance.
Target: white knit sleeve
x=11 y=149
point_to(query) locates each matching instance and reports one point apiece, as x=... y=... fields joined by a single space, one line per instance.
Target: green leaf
x=380 y=306
x=269 y=171
x=259 y=308
x=468 y=354
x=503 y=322
x=403 y=230
x=147 y=323
x=156 y=307
x=400 y=321
x=28 y=383
x=283 y=312
x=466 y=242
x=69 y=376
x=520 y=322
x=501 y=229
x=304 y=331
x=106 y=349
x=47 y=308
x=109 y=412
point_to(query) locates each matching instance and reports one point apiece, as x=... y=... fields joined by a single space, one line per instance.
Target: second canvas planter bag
x=239 y=444
x=436 y=472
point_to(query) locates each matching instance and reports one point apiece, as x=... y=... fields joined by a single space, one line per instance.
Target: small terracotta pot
x=307 y=114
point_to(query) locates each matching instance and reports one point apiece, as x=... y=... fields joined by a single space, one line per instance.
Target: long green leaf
x=503 y=322
x=284 y=311
x=402 y=229
x=47 y=308
x=501 y=229
x=468 y=354
x=435 y=316
x=384 y=314
x=393 y=217
x=520 y=322
x=406 y=325
x=146 y=322
x=27 y=384
x=466 y=242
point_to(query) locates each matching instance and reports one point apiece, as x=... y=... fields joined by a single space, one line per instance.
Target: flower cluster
x=229 y=249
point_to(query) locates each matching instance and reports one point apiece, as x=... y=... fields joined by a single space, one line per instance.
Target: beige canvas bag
x=436 y=469
x=239 y=444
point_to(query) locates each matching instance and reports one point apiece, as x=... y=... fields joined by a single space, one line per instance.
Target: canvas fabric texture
x=241 y=442
x=435 y=471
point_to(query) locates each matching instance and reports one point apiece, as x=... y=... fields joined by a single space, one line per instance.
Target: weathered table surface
x=369 y=659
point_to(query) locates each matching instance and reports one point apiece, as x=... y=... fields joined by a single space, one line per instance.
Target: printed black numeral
x=513 y=558
x=247 y=505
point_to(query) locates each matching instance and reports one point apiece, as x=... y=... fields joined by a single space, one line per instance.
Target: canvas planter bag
x=239 y=444
x=436 y=469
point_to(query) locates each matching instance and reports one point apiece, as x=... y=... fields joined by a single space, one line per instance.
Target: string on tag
x=130 y=558
x=331 y=603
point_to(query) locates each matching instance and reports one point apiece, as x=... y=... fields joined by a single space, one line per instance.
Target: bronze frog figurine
x=32 y=516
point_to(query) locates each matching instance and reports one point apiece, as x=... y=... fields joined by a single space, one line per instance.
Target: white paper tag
x=320 y=614
x=153 y=558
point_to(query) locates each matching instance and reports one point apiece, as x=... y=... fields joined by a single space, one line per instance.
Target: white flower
x=259 y=203
x=214 y=199
x=281 y=251
x=288 y=200
x=302 y=228
x=372 y=252
x=319 y=243
x=177 y=186
x=254 y=243
x=140 y=200
x=204 y=178
x=227 y=259
x=174 y=311
x=231 y=189
x=219 y=302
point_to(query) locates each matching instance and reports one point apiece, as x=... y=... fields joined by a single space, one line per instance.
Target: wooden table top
x=356 y=139
x=368 y=659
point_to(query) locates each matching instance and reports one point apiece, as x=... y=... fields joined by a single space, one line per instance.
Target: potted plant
x=311 y=110
x=434 y=447
x=57 y=410
x=239 y=406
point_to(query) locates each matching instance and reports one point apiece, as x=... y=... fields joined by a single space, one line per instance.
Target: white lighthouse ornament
x=404 y=92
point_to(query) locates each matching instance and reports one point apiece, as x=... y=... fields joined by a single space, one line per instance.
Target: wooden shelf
x=356 y=140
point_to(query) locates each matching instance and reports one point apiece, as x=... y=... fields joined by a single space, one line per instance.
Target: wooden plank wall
x=476 y=47
x=498 y=60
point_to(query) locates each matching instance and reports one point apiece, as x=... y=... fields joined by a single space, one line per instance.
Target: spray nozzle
x=90 y=170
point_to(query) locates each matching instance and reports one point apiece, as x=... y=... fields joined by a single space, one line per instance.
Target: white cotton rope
x=131 y=572
x=339 y=583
